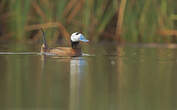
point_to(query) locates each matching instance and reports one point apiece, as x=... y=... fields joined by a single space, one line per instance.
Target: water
x=107 y=77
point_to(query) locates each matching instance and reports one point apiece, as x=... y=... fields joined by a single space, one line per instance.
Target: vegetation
x=122 y=20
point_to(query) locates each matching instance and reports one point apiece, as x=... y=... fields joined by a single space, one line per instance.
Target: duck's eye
x=77 y=33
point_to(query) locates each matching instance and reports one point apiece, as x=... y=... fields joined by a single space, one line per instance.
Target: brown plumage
x=62 y=51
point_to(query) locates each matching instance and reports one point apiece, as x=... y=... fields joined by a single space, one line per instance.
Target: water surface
x=107 y=77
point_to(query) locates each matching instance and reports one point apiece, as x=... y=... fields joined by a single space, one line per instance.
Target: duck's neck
x=75 y=45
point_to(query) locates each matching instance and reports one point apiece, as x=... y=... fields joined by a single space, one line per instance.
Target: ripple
x=19 y=53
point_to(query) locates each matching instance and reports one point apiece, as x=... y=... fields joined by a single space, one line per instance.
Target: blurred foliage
x=142 y=20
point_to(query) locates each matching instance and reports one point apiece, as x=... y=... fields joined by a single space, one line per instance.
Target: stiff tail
x=43 y=39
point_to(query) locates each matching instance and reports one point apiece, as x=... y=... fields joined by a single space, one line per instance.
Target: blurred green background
x=135 y=76
x=144 y=21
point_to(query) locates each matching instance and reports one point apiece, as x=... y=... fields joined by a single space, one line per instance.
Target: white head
x=77 y=37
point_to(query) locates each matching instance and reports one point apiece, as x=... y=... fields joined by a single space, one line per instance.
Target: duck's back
x=65 y=51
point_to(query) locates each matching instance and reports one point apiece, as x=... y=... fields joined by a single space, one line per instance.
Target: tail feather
x=43 y=39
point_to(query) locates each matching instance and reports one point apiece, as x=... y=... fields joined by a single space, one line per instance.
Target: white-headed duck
x=74 y=50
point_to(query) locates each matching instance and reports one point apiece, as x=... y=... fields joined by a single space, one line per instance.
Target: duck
x=73 y=51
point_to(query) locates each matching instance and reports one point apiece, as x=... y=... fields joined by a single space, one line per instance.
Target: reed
x=137 y=21
x=20 y=9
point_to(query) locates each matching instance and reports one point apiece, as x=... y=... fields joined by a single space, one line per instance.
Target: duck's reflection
x=77 y=73
x=78 y=69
